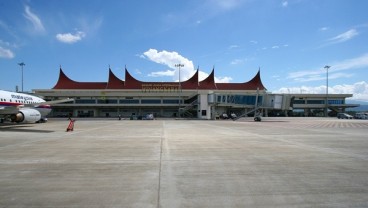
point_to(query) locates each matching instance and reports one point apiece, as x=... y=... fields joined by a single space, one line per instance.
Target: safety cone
x=71 y=125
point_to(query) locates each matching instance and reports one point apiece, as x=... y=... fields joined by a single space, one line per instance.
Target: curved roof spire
x=257 y=82
x=114 y=82
x=131 y=82
x=64 y=82
x=209 y=82
x=191 y=83
x=254 y=84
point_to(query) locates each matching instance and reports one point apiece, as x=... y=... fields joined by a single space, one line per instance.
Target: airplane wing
x=8 y=109
x=49 y=102
x=56 y=101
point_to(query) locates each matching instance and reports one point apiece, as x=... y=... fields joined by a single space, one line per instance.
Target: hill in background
x=363 y=105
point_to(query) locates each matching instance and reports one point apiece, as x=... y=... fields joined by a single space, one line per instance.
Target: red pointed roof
x=130 y=82
x=253 y=84
x=65 y=82
x=191 y=83
x=114 y=82
x=209 y=82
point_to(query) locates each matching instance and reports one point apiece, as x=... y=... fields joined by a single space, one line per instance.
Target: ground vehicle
x=344 y=116
x=149 y=116
x=224 y=116
x=361 y=116
x=233 y=115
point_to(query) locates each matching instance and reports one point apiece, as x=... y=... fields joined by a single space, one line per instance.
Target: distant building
x=204 y=99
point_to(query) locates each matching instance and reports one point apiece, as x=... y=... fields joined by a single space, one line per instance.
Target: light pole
x=22 y=64
x=326 y=109
x=179 y=66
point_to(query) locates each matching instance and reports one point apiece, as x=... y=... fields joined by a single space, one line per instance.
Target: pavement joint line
x=160 y=165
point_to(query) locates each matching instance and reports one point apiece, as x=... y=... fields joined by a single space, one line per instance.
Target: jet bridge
x=250 y=104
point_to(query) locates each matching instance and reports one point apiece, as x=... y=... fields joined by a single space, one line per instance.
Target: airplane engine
x=26 y=116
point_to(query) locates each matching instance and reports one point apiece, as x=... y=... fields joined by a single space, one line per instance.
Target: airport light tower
x=179 y=66
x=22 y=64
x=326 y=109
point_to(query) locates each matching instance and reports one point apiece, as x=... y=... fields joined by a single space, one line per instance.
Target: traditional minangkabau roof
x=253 y=84
x=209 y=82
x=65 y=82
x=114 y=82
x=130 y=82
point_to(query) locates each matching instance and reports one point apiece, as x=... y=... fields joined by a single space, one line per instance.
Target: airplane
x=24 y=108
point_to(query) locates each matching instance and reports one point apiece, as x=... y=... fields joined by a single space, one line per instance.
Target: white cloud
x=137 y=71
x=34 y=19
x=223 y=79
x=233 y=46
x=90 y=26
x=354 y=63
x=359 y=90
x=226 y=5
x=170 y=59
x=168 y=73
x=344 y=36
x=236 y=61
x=334 y=71
x=323 y=28
x=202 y=75
x=275 y=47
x=6 y=53
x=70 y=38
x=285 y=4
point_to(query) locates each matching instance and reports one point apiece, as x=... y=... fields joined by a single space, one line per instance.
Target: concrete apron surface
x=279 y=162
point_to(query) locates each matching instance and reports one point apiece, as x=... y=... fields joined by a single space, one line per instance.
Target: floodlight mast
x=22 y=64
x=179 y=66
x=326 y=103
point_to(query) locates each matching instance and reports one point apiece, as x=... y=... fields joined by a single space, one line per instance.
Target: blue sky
x=289 y=40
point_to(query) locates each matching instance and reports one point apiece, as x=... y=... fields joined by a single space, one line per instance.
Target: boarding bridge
x=248 y=104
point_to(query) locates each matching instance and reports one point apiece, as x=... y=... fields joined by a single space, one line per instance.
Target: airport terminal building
x=192 y=98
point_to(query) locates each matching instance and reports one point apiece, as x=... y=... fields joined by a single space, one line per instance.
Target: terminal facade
x=192 y=98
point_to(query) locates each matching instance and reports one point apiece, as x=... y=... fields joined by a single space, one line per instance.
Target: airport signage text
x=160 y=87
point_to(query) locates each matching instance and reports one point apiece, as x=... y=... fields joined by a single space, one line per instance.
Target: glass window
x=107 y=101
x=335 y=102
x=129 y=101
x=151 y=101
x=315 y=102
x=299 y=102
x=170 y=101
x=85 y=101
